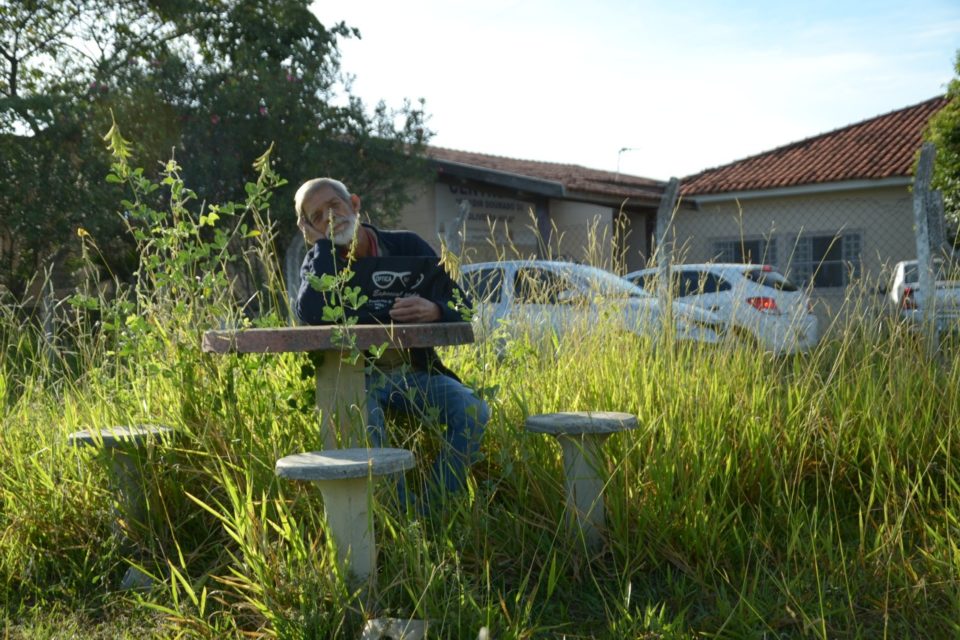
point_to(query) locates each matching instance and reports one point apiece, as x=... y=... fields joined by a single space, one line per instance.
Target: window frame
x=808 y=271
x=727 y=250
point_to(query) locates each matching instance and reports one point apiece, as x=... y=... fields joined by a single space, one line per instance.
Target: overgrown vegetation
x=813 y=496
x=944 y=132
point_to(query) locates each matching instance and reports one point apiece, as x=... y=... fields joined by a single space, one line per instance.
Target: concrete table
x=121 y=451
x=344 y=477
x=341 y=388
x=581 y=435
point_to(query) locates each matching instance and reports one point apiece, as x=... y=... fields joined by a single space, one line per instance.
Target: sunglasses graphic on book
x=385 y=279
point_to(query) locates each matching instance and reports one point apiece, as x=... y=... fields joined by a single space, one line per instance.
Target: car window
x=484 y=285
x=713 y=283
x=911 y=272
x=770 y=278
x=689 y=283
x=646 y=281
x=542 y=286
x=693 y=283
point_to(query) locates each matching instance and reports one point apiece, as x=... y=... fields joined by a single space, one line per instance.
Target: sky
x=649 y=88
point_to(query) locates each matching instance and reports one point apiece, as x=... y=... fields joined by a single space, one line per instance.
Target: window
x=484 y=285
x=746 y=250
x=827 y=260
x=541 y=286
x=700 y=282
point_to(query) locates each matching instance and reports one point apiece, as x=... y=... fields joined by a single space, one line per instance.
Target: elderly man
x=413 y=381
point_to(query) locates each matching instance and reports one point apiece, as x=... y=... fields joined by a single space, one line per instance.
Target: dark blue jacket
x=320 y=260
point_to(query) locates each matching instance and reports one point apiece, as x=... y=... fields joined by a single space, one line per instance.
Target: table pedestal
x=342 y=402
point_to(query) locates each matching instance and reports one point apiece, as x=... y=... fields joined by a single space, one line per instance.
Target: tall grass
x=808 y=496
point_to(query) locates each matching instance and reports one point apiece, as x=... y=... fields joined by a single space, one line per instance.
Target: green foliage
x=218 y=82
x=944 y=131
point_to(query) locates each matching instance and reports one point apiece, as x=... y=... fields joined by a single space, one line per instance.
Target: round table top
x=342 y=464
x=111 y=437
x=581 y=422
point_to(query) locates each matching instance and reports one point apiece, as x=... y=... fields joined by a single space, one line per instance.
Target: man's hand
x=311 y=234
x=414 y=309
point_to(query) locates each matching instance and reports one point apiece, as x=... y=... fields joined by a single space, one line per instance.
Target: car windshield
x=769 y=278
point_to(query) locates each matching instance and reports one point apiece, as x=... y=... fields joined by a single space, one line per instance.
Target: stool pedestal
x=120 y=450
x=345 y=477
x=581 y=436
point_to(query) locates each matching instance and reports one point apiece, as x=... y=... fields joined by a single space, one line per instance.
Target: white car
x=540 y=295
x=753 y=300
x=907 y=299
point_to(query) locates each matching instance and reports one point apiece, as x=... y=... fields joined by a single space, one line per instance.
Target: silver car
x=752 y=300
x=542 y=296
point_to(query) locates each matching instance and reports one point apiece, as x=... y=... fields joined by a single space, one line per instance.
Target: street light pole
x=620 y=153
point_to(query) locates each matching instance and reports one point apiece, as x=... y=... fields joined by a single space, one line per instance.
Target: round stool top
x=111 y=437
x=342 y=464
x=581 y=422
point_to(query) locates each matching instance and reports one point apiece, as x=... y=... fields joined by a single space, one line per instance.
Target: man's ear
x=355 y=201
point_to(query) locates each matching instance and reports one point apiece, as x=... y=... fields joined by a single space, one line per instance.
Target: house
x=534 y=209
x=832 y=211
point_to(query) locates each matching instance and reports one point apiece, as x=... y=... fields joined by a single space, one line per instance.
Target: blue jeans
x=418 y=394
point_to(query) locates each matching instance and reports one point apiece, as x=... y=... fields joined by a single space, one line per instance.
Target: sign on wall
x=491 y=216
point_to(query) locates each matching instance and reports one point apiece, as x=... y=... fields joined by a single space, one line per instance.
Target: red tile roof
x=881 y=147
x=574 y=178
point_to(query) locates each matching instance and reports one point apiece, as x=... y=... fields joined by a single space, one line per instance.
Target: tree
x=944 y=131
x=213 y=82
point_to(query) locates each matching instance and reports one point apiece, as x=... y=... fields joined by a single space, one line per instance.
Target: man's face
x=332 y=216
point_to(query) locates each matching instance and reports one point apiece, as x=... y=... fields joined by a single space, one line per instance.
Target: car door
x=547 y=301
x=485 y=286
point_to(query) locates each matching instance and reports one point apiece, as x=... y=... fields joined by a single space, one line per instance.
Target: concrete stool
x=121 y=449
x=395 y=629
x=581 y=435
x=344 y=477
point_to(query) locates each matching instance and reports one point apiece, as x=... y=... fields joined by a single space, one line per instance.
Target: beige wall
x=499 y=226
x=584 y=232
x=420 y=216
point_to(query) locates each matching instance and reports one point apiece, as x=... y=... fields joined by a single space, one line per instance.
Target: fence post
x=454 y=233
x=921 y=200
x=664 y=250
x=292 y=260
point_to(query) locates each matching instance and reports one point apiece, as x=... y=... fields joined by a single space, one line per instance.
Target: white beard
x=345 y=236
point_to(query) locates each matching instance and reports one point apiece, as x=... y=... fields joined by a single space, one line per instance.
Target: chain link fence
x=842 y=245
